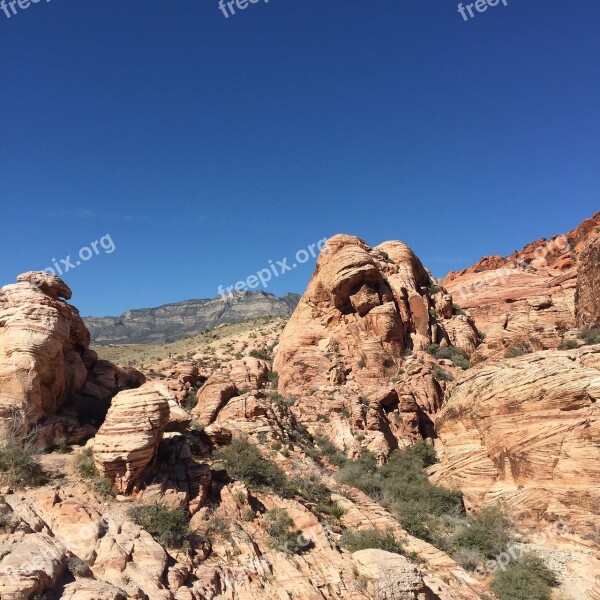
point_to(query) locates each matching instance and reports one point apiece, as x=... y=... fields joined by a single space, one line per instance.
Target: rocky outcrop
x=127 y=442
x=526 y=433
x=215 y=393
x=45 y=360
x=525 y=301
x=365 y=311
x=587 y=298
x=42 y=342
x=175 y=321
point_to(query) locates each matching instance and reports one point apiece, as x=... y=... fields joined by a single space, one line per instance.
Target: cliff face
x=175 y=321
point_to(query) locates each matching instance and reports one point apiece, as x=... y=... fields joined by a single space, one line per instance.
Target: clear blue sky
x=206 y=146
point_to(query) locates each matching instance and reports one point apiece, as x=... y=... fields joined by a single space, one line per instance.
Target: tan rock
x=128 y=440
x=526 y=433
x=212 y=397
x=587 y=297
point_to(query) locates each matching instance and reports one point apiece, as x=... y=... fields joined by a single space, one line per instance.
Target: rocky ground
x=243 y=462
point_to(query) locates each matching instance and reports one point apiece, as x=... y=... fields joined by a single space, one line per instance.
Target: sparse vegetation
x=458 y=357
x=261 y=354
x=244 y=462
x=440 y=375
x=568 y=345
x=168 y=526
x=527 y=579
x=363 y=539
x=78 y=567
x=457 y=310
x=190 y=401
x=280 y=527
x=590 y=336
x=19 y=454
x=514 y=352
x=84 y=464
x=488 y=532
x=333 y=454
x=402 y=486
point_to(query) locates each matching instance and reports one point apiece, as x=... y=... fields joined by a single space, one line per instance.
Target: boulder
x=127 y=442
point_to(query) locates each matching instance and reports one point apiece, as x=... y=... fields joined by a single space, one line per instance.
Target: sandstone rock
x=128 y=440
x=213 y=395
x=35 y=563
x=587 y=298
x=88 y=589
x=248 y=372
x=391 y=576
x=526 y=433
x=42 y=340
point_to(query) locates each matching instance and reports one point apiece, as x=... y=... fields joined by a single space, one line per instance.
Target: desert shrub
x=514 y=352
x=458 y=357
x=248 y=514
x=527 y=579
x=488 y=532
x=403 y=487
x=273 y=379
x=568 y=345
x=440 y=375
x=337 y=511
x=590 y=336
x=311 y=491
x=468 y=558
x=280 y=527
x=243 y=461
x=261 y=354
x=19 y=453
x=364 y=539
x=190 y=401
x=168 y=526
x=362 y=363
x=61 y=446
x=457 y=310
x=330 y=451
x=84 y=465
x=78 y=567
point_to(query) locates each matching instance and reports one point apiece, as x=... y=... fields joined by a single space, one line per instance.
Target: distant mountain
x=175 y=321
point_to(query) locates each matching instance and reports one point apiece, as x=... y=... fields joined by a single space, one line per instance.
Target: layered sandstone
x=527 y=300
x=587 y=298
x=526 y=433
x=127 y=442
x=347 y=347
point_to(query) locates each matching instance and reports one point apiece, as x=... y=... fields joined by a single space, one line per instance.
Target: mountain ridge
x=174 y=321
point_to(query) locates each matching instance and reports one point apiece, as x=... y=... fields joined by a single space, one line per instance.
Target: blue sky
x=205 y=146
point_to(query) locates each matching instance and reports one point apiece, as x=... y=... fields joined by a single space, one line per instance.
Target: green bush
x=440 y=375
x=568 y=345
x=79 y=568
x=590 y=336
x=403 y=487
x=330 y=451
x=273 y=379
x=280 y=527
x=527 y=579
x=514 y=352
x=243 y=461
x=190 y=401
x=169 y=527
x=488 y=532
x=84 y=465
x=19 y=464
x=457 y=310
x=261 y=354
x=458 y=357
x=364 y=539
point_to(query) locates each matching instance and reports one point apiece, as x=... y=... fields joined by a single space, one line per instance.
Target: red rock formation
x=587 y=298
x=343 y=352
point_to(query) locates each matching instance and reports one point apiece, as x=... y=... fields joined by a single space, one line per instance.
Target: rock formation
x=127 y=442
x=345 y=348
x=587 y=299
x=526 y=433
